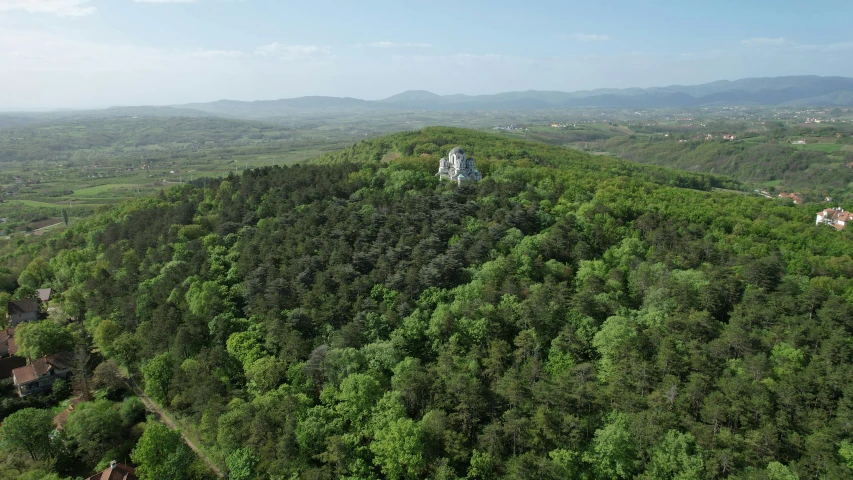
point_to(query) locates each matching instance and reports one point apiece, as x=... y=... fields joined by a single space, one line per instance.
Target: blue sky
x=96 y=53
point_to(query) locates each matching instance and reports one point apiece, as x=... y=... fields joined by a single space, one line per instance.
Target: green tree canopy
x=95 y=427
x=158 y=376
x=161 y=453
x=676 y=457
x=612 y=454
x=36 y=339
x=399 y=449
x=28 y=431
x=241 y=464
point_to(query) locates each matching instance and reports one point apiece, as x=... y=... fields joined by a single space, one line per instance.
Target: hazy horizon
x=56 y=110
x=89 y=54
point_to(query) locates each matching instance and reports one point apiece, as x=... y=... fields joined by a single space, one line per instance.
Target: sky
x=60 y=54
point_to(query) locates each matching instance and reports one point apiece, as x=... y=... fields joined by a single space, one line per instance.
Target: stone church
x=458 y=167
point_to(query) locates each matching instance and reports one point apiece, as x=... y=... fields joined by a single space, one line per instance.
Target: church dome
x=456 y=151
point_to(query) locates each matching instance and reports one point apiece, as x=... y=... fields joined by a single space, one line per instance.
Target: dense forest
x=570 y=316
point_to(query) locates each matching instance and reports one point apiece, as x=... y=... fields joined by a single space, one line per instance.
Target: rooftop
x=116 y=471
x=41 y=367
x=838 y=214
x=44 y=294
x=27 y=305
x=793 y=196
x=61 y=419
x=7 y=337
x=9 y=364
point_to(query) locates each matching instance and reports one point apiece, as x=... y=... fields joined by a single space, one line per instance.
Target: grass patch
x=38 y=204
x=821 y=147
x=101 y=189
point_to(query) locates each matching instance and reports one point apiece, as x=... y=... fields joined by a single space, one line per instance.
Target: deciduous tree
x=28 y=431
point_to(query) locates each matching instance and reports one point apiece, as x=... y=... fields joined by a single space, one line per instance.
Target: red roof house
x=61 y=419
x=116 y=471
x=793 y=196
x=8 y=361
x=835 y=217
x=39 y=376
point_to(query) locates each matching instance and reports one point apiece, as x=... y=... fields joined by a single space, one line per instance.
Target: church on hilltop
x=458 y=167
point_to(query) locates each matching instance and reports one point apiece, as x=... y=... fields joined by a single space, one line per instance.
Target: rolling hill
x=778 y=91
x=783 y=91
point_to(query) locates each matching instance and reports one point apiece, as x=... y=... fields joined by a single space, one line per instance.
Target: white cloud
x=291 y=52
x=765 y=42
x=832 y=47
x=45 y=70
x=42 y=70
x=397 y=45
x=61 y=8
x=458 y=58
x=789 y=45
x=590 y=37
x=164 y=1
x=217 y=53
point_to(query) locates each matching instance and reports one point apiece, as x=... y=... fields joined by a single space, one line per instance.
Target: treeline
x=569 y=316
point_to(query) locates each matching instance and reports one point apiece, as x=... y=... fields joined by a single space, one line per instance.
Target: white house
x=836 y=217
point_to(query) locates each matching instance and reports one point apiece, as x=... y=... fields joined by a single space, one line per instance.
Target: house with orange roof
x=116 y=471
x=793 y=196
x=8 y=360
x=7 y=342
x=40 y=375
x=61 y=419
x=836 y=217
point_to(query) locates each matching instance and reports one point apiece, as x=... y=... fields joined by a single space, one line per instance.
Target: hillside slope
x=813 y=171
x=569 y=316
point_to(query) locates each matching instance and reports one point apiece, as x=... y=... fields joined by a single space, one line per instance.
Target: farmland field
x=80 y=165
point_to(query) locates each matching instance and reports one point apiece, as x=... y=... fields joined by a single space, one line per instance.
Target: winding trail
x=152 y=407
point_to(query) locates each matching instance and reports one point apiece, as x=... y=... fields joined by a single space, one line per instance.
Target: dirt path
x=154 y=408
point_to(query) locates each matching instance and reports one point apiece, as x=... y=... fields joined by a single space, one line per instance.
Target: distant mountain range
x=780 y=91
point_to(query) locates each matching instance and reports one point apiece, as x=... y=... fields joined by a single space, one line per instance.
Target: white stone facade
x=458 y=167
x=836 y=217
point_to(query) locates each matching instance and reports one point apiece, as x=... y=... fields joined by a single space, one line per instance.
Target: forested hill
x=430 y=144
x=567 y=317
x=816 y=172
